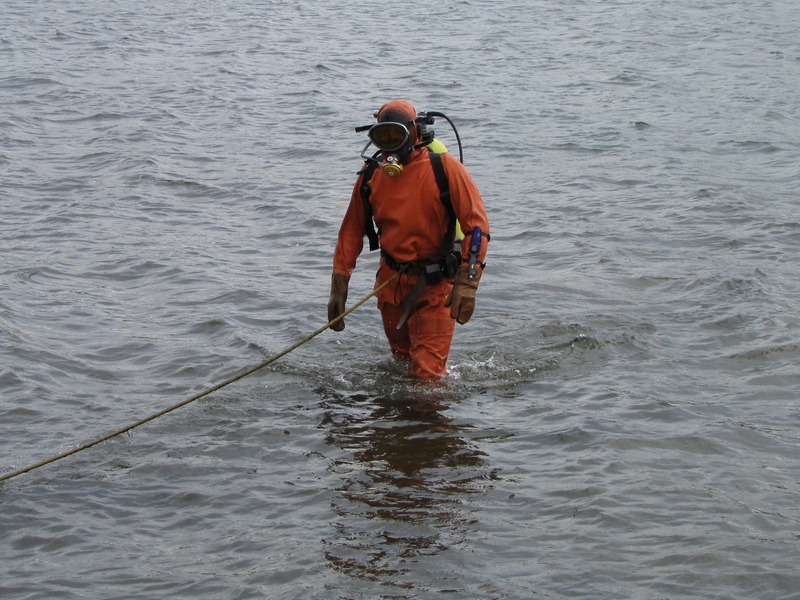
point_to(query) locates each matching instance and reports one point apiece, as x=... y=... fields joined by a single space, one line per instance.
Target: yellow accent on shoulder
x=440 y=148
x=437 y=147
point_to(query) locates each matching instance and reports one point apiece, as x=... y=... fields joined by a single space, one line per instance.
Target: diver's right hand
x=338 y=299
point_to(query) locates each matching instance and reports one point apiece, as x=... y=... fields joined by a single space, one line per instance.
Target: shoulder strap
x=444 y=196
x=369 y=226
x=441 y=179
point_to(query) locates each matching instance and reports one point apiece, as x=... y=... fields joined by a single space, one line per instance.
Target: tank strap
x=444 y=197
x=366 y=174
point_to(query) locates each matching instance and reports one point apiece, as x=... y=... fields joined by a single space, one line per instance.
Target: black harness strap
x=444 y=196
x=366 y=175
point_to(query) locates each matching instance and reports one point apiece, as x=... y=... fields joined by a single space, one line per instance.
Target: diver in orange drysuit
x=412 y=221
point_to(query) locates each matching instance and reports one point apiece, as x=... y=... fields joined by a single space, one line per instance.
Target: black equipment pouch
x=451 y=262
x=434 y=273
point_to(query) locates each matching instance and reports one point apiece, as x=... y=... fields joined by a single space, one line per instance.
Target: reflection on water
x=407 y=478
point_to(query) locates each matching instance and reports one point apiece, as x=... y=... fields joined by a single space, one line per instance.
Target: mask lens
x=388 y=136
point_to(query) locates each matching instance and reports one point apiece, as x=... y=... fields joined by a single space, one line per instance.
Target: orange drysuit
x=411 y=222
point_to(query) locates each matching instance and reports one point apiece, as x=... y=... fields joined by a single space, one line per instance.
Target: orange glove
x=338 y=299
x=462 y=299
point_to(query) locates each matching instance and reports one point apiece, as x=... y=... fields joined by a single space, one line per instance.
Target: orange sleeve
x=351 y=234
x=467 y=204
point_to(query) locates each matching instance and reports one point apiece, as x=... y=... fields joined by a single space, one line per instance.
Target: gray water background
x=623 y=417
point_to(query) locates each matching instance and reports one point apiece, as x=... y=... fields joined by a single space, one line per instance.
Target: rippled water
x=623 y=418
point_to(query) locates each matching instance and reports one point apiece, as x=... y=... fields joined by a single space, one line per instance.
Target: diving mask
x=388 y=136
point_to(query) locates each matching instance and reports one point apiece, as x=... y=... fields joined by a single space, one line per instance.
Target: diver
x=419 y=197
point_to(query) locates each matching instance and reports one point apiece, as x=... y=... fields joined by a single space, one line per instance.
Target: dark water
x=623 y=409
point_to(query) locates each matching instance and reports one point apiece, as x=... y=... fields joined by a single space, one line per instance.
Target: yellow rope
x=206 y=392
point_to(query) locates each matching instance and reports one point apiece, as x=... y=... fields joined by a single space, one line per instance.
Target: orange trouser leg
x=399 y=339
x=425 y=336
